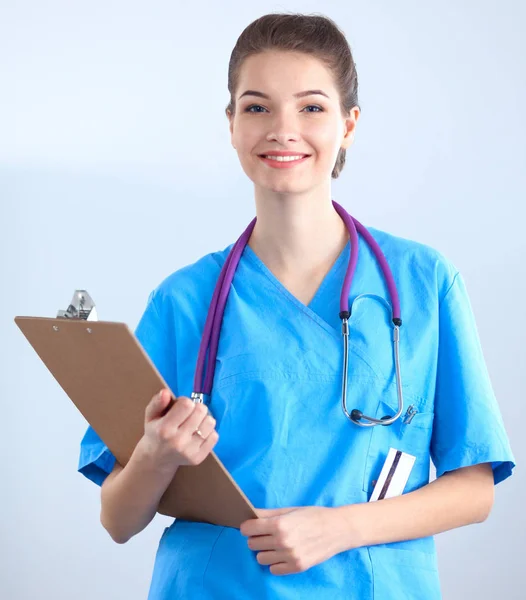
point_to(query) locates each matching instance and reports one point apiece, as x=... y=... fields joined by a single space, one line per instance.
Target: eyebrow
x=298 y=95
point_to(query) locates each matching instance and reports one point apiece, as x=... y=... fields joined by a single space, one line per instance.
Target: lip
x=283 y=153
x=274 y=164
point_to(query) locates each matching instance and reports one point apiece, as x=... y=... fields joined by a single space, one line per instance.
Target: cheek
x=324 y=139
x=247 y=141
x=328 y=136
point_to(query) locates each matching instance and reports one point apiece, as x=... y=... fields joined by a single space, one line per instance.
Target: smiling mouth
x=285 y=160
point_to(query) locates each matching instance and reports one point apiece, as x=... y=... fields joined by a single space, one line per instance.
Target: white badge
x=394 y=475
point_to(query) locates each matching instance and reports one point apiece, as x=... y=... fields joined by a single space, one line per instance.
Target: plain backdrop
x=116 y=169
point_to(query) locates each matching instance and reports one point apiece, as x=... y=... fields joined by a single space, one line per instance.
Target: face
x=311 y=124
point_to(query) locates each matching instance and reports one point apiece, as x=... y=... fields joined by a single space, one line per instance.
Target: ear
x=350 y=127
x=231 y=125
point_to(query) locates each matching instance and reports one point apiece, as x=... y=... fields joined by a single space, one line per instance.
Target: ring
x=199 y=434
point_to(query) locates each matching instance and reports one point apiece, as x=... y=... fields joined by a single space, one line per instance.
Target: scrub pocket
x=413 y=437
x=408 y=571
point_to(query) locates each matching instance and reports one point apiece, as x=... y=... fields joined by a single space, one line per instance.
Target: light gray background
x=116 y=169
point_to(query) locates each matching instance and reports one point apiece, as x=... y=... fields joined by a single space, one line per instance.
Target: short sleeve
x=155 y=334
x=468 y=428
x=96 y=461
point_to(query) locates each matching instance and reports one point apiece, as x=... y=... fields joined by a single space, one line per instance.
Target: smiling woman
x=301 y=37
x=267 y=315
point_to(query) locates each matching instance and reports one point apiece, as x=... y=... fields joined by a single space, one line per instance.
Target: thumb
x=266 y=513
x=156 y=405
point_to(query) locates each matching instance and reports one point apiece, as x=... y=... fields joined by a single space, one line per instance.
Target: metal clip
x=411 y=412
x=81 y=307
x=345 y=327
x=202 y=398
x=198 y=397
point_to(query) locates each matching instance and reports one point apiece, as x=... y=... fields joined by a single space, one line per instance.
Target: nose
x=283 y=129
x=281 y=136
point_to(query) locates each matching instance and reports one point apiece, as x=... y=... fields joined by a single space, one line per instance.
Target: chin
x=284 y=188
x=278 y=182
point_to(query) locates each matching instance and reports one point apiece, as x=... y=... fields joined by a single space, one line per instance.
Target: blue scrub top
x=282 y=433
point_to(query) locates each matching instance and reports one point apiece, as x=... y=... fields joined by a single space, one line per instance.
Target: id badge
x=394 y=475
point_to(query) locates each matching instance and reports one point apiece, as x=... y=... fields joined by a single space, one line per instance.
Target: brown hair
x=315 y=35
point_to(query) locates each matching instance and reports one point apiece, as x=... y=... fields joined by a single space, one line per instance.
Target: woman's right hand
x=170 y=439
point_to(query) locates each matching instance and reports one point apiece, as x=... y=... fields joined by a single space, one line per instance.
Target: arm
x=458 y=498
x=294 y=539
x=130 y=495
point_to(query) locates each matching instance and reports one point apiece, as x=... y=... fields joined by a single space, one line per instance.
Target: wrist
x=148 y=459
x=351 y=526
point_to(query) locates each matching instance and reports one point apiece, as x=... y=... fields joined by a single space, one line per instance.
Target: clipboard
x=110 y=378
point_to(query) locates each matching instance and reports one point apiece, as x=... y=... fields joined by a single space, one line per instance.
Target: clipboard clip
x=81 y=307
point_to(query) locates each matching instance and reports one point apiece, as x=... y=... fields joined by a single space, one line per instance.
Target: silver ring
x=199 y=434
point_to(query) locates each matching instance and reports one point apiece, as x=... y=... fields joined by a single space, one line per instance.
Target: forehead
x=284 y=73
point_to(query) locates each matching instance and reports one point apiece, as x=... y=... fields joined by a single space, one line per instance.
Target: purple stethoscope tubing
x=210 y=338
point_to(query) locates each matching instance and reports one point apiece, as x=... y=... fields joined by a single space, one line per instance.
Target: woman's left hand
x=292 y=540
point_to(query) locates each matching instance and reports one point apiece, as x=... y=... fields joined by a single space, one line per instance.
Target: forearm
x=458 y=498
x=129 y=498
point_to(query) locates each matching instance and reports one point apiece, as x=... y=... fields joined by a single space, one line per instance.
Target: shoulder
x=416 y=261
x=192 y=284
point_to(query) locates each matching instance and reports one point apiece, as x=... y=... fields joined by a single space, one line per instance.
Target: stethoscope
x=210 y=338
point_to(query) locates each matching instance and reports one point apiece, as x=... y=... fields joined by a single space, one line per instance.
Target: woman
x=277 y=421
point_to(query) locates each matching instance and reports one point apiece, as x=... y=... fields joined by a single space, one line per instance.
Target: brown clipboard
x=109 y=377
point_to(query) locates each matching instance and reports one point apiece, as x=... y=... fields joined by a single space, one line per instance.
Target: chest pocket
x=309 y=399
x=413 y=437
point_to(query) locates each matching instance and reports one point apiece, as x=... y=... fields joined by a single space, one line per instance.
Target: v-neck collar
x=309 y=309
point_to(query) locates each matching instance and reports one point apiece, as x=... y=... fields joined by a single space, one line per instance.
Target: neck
x=297 y=234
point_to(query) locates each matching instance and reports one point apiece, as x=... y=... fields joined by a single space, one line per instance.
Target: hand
x=169 y=431
x=292 y=540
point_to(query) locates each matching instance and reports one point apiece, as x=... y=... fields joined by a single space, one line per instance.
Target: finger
x=262 y=542
x=257 y=527
x=194 y=420
x=157 y=405
x=266 y=513
x=282 y=569
x=207 y=446
x=206 y=427
x=271 y=557
x=179 y=412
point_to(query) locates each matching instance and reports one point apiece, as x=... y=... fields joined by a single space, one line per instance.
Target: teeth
x=284 y=158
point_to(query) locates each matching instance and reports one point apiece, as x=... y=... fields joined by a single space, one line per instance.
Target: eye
x=315 y=106
x=252 y=106
x=248 y=109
